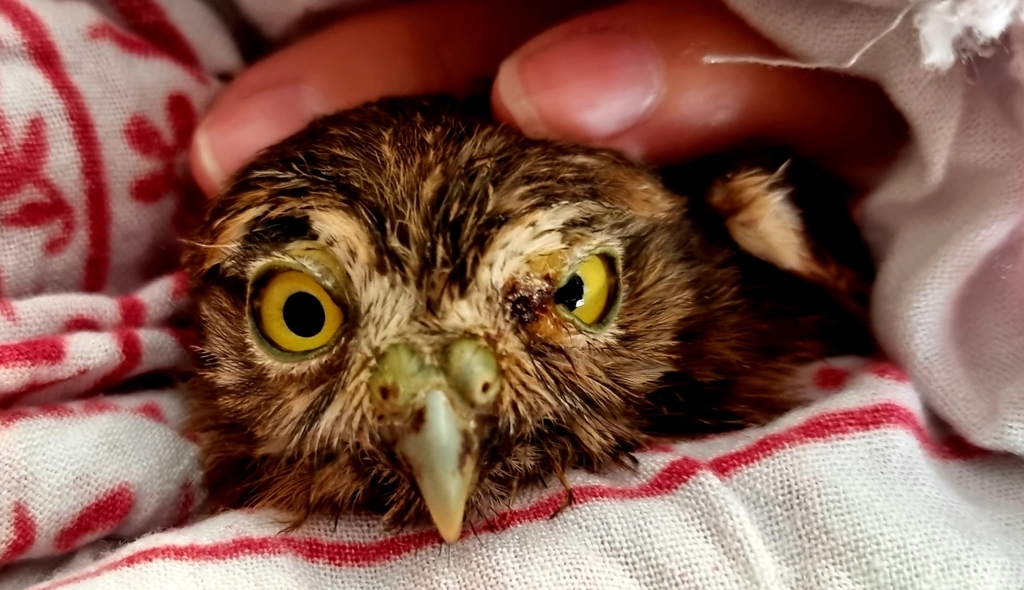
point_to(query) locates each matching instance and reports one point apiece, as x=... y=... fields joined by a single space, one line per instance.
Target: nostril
x=471 y=367
x=385 y=390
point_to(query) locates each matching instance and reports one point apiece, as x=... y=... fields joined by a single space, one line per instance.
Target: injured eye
x=589 y=293
x=294 y=313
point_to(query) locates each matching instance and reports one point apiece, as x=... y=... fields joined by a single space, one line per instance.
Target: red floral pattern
x=56 y=344
x=169 y=180
x=22 y=173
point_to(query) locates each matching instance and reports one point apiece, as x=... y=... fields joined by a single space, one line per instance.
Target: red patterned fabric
x=97 y=107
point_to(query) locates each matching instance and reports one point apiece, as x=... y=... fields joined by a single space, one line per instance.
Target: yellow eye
x=590 y=292
x=295 y=313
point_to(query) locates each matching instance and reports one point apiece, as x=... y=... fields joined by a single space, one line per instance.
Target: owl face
x=410 y=310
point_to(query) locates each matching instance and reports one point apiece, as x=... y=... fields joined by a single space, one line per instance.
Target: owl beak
x=442 y=451
x=439 y=406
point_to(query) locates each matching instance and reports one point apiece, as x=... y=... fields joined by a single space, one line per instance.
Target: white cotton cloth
x=885 y=483
x=948 y=224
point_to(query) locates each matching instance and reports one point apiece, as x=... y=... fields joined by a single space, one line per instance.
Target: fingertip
x=512 y=105
x=206 y=172
x=232 y=133
x=584 y=83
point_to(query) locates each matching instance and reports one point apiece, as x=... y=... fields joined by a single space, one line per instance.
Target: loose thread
x=791 y=63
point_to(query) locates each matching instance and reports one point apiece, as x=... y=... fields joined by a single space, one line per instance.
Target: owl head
x=409 y=309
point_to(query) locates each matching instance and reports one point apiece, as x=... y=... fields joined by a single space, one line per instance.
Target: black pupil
x=571 y=294
x=304 y=314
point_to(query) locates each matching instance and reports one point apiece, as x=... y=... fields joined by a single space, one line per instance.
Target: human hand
x=629 y=76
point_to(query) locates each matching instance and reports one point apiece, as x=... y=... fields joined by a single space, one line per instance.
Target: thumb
x=632 y=77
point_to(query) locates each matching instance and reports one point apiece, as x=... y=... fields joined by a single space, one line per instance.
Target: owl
x=410 y=310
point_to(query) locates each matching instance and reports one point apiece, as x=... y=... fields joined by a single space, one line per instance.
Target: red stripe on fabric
x=23 y=534
x=50 y=350
x=15 y=397
x=98 y=405
x=955 y=447
x=46 y=57
x=81 y=323
x=91 y=407
x=152 y=411
x=186 y=504
x=7 y=310
x=675 y=474
x=182 y=282
x=186 y=338
x=128 y=42
x=831 y=378
x=131 y=308
x=45 y=411
x=843 y=423
x=148 y=19
x=669 y=478
x=131 y=356
x=101 y=516
x=13 y=416
x=313 y=550
x=886 y=370
x=133 y=311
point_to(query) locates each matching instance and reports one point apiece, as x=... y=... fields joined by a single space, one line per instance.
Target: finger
x=632 y=77
x=438 y=46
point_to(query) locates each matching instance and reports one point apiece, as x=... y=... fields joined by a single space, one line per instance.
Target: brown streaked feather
x=434 y=212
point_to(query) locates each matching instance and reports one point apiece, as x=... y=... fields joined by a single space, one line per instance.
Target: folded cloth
x=866 y=488
x=948 y=223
